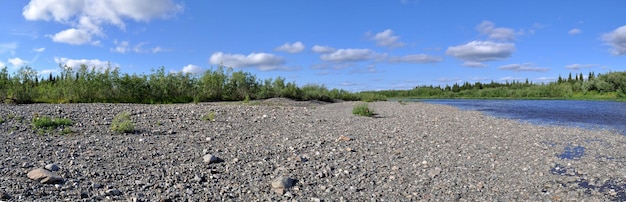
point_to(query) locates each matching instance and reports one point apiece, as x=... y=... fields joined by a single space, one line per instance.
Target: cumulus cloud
x=580 y=66
x=347 y=55
x=8 y=47
x=574 y=31
x=526 y=67
x=86 y=17
x=291 y=48
x=17 y=62
x=449 y=80
x=497 y=33
x=323 y=49
x=387 y=39
x=2 y=65
x=76 y=63
x=49 y=71
x=261 y=61
x=417 y=58
x=617 y=40
x=481 y=51
x=192 y=69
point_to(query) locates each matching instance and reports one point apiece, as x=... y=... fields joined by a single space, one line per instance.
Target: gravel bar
x=283 y=150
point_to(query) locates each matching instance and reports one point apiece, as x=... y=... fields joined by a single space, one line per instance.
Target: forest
x=609 y=86
x=108 y=85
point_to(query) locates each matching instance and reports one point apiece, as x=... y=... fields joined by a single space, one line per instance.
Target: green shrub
x=45 y=122
x=362 y=110
x=122 y=123
x=209 y=116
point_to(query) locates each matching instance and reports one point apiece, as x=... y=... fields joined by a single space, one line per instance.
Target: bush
x=362 y=110
x=122 y=123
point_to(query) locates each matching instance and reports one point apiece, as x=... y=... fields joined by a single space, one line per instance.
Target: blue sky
x=349 y=44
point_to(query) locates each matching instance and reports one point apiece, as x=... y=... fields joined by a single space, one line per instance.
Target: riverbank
x=408 y=151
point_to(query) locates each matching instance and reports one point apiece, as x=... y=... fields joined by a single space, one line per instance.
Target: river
x=586 y=114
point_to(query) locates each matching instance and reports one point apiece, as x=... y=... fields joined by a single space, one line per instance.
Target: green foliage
x=362 y=110
x=602 y=86
x=372 y=97
x=122 y=123
x=209 y=116
x=46 y=122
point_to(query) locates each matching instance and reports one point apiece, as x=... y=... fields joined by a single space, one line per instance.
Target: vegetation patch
x=362 y=110
x=122 y=123
x=209 y=116
x=47 y=122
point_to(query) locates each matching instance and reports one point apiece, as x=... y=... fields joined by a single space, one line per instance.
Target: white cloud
x=616 y=39
x=261 y=61
x=580 y=66
x=17 y=62
x=39 y=50
x=481 y=51
x=75 y=63
x=291 y=48
x=323 y=49
x=498 y=33
x=574 y=31
x=72 y=36
x=387 y=39
x=86 y=17
x=526 y=67
x=347 y=55
x=120 y=47
x=8 y=47
x=2 y=65
x=474 y=64
x=545 y=79
x=417 y=58
x=159 y=49
x=193 y=69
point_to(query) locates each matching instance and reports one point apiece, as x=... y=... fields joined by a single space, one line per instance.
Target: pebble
x=52 y=167
x=280 y=184
x=210 y=158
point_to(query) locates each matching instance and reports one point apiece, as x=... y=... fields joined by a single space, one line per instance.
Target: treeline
x=611 y=85
x=87 y=85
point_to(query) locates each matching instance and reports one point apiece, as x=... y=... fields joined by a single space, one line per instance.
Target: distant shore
x=407 y=151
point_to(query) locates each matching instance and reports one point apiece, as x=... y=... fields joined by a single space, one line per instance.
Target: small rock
x=52 y=167
x=5 y=196
x=316 y=200
x=349 y=149
x=342 y=138
x=434 y=172
x=96 y=185
x=280 y=184
x=113 y=192
x=210 y=158
x=197 y=178
x=44 y=176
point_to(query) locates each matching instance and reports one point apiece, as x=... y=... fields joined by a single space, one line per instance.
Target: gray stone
x=210 y=158
x=113 y=192
x=52 y=167
x=279 y=185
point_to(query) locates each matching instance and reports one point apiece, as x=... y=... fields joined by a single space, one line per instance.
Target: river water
x=586 y=114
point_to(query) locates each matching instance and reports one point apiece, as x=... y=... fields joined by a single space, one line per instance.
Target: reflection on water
x=585 y=114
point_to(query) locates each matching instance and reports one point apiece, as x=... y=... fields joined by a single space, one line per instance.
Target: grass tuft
x=209 y=116
x=122 y=123
x=362 y=110
x=45 y=122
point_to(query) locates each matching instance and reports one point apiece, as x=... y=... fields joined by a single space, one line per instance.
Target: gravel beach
x=283 y=150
